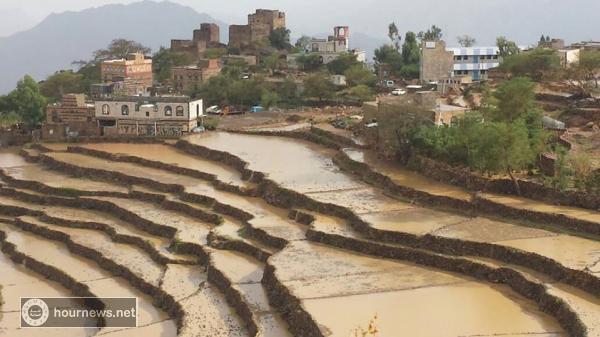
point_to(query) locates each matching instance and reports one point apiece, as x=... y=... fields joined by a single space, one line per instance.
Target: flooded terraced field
x=312 y=251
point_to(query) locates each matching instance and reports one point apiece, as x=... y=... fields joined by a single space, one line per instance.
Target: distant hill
x=62 y=38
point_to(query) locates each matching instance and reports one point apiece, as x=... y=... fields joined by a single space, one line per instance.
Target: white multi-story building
x=148 y=116
x=475 y=62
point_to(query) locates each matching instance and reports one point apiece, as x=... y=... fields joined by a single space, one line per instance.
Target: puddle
x=238 y=267
x=415 y=221
x=130 y=256
x=342 y=290
x=533 y=205
x=170 y=155
x=405 y=177
x=9 y=157
x=301 y=166
x=58 y=180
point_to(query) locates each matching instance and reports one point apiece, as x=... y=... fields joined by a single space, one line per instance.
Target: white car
x=398 y=92
x=213 y=110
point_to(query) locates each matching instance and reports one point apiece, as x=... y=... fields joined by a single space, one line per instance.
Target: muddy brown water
x=170 y=155
x=379 y=210
x=344 y=291
x=58 y=180
x=9 y=157
x=101 y=282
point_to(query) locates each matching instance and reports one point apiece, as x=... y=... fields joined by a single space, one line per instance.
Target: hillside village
x=269 y=187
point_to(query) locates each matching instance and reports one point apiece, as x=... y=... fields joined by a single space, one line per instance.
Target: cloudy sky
x=522 y=20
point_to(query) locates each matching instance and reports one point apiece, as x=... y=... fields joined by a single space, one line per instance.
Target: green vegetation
x=506 y=46
x=61 y=83
x=280 y=38
x=537 y=64
x=432 y=34
x=466 y=41
x=402 y=61
x=504 y=137
x=24 y=104
x=318 y=86
x=210 y=123
x=165 y=59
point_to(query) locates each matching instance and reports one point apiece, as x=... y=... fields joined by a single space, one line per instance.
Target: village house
x=188 y=78
x=71 y=117
x=329 y=49
x=129 y=76
x=163 y=116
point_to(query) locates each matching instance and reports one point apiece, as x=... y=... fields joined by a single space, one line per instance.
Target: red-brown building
x=188 y=78
x=131 y=76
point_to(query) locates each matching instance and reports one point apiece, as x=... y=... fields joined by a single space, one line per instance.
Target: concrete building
x=187 y=78
x=439 y=62
x=249 y=60
x=260 y=25
x=130 y=76
x=71 y=117
x=586 y=45
x=163 y=116
x=568 y=56
x=331 y=48
x=208 y=36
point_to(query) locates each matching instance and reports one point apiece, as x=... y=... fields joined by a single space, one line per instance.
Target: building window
x=179 y=111
x=125 y=110
x=147 y=113
x=105 y=109
x=168 y=111
x=495 y=57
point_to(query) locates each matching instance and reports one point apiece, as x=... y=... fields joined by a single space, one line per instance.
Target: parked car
x=389 y=84
x=198 y=129
x=213 y=110
x=398 y=92
x=257 y=108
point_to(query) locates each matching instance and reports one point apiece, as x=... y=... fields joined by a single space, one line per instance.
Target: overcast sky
x=522 y=20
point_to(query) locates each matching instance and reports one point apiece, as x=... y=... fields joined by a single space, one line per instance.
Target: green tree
x=410 y=49
x=432 y=34
x=119 y=49
x=28 y=102
x=387 y=54
x=358 y=74
x=214 y=53
x=303 y=42
x=61 y=83
x=466 y=41
x=287 y=91
x=506 y=47
x=394 y=35
x=269 y=99
x=318 y=86
x=589 y=64
x=280 y=38
x=309 y=62
x=342 y=63
x=537 y=64
x=165 y=59
x=360 y=93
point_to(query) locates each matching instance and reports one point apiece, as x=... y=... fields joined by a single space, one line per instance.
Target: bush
x=210 y=123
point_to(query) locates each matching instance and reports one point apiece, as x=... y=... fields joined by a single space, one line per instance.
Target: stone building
x=129 y=76
x=71 y=117
x=187 y=78
x=162 y=116
x=208 y=36
x=260 y=25
x=331 y=48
